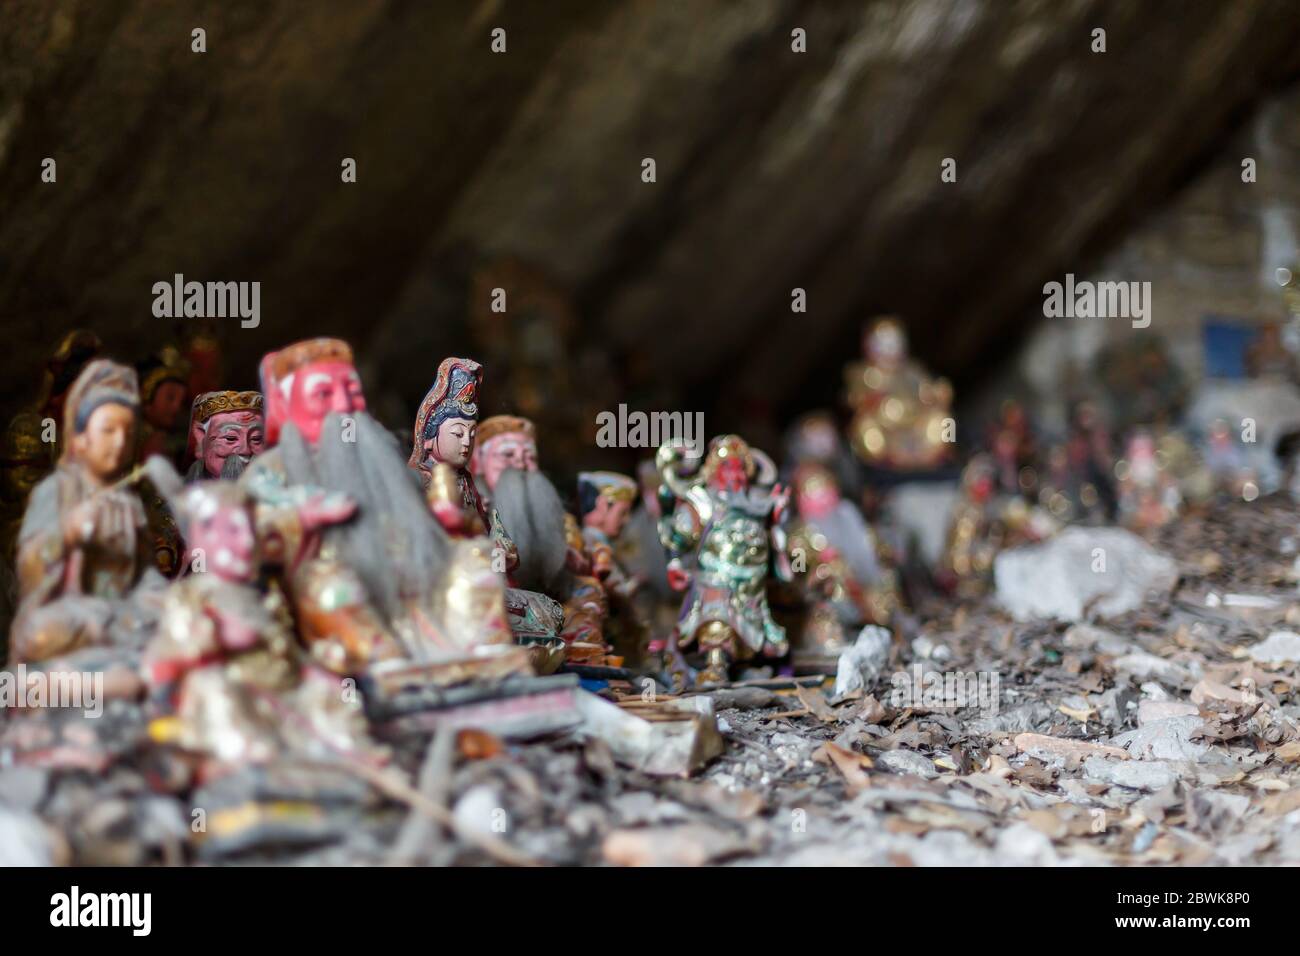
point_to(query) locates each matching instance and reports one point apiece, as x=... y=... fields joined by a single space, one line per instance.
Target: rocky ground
x=1164 y=736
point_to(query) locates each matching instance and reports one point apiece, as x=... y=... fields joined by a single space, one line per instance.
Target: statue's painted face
x=608 y=516
x=230 y=433
x=164 y=408
x=507 y=450
x=320 y=388
x=225 y=538
x=107 y=443
x=730 y=475
x=454 y=442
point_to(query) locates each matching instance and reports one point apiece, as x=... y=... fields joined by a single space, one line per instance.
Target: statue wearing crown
x=227 y=429
x=725 y=542
x=553 y=555
x=443 y=445
x=899 y=411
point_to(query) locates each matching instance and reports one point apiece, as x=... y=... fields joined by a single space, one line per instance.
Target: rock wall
x=774 y=170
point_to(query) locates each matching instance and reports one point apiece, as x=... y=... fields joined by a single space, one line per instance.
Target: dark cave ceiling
x=775 y=170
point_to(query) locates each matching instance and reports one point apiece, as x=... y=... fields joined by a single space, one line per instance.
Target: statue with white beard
x=552 y=554
x=362 y=554
x=227 y=429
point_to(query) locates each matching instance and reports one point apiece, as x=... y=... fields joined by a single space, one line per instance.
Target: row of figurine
x=303 y=542
x=304 y=547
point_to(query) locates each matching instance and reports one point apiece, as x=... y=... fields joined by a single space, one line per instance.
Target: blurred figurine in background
x=983 y=523
x=29 y=449
x=605 y=502
x=1011 y=445
x=835 y=559
x=725 y=542
x=815 y=438
x=1148 y=493
x=1267 y=355
x=84 y=548
x=24 y=461
x=1230 y=471
x=975 y=532
x=201 y=352
x=900 y=414
x=164 y=396
x=224 y=667
x=1091 y=463
x=641 y=553
x=227 y=429
x=73 y=353
x=1143 y=385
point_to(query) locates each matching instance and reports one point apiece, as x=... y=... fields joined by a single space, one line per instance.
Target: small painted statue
x=446 y=426
x=84 y=549
x=837 y=563
x=975 y=531
x=340 y=513
x=1011 y=446
x=552 y=556
x=901 y=418
x=164 y=395
x=225 y=667
x=1267 y=355
x=605 y=503
x=227 y=429
x=29 y=450
x=815 y=438
x=444 y=446
x=1149 y=496
x=1230 y=472
x=1090 y=464
x=725 y=540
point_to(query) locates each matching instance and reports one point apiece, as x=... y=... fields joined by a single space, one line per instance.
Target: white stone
x=1151 y=711
x=907 y=761
x=1061 y=579
x=24 y=840
x=1134 y=774
x=1279 y=647
x=861 y=665
x=1167 y=739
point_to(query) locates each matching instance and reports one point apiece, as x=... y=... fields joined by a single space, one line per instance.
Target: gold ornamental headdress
x=454 y=395
x=216 y=403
